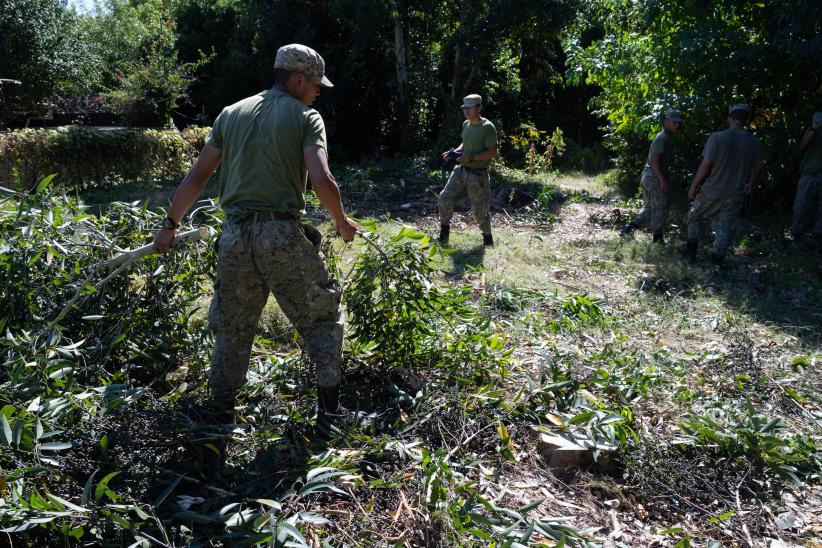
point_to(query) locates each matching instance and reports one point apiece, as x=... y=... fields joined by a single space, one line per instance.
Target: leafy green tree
x=137 y=40
x=43 y=46
x=701 y=57
x=400 y=66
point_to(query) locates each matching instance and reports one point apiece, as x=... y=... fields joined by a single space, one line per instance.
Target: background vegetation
x=693 y=394
x=401 y=67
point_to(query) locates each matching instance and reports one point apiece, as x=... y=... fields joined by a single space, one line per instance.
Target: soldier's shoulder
x=251 y=100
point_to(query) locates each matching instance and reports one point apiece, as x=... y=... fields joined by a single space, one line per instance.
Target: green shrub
x=87 y=158
x=399 y=316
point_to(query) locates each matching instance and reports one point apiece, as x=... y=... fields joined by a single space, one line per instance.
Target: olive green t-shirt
x=262 y=139
x=734 y=153
x=812 y=160
x=662 y=144
x=478 y=138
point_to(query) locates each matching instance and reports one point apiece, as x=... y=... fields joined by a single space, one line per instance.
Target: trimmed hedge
x=88 y=158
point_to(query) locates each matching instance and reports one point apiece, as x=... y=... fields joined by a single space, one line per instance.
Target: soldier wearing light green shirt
x=470 y=175
x=655 y=181
x=268 y=145
x=263 y=169
x=807 y=206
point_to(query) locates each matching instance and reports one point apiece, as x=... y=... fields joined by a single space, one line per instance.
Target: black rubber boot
x=487 y=240
x=217 y=410
x=216 y=418
x=328 y=399
x=445 y=232
x=332 y=417
x=690 y=250
x=658 y=238
x=628 y=229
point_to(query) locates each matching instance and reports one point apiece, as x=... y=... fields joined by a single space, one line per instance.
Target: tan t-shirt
x=734 y=153
x=812 y=159
x=478 y=138
x=262 y=139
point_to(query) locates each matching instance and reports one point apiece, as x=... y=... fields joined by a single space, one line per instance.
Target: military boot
x=690 y=250
x=215 y=418
x=487 y=240
x=627 y=230
x=658 y=239
x=445 y=232
x=332 y=417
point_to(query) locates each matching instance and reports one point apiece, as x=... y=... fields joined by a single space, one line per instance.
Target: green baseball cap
x=674 y=115
x=300 y=58
x=471 y=101
x=740 y=106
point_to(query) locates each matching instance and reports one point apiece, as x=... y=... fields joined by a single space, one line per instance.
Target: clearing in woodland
x=564 y=387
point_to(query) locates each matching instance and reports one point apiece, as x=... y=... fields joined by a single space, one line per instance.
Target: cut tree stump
x=567 y=451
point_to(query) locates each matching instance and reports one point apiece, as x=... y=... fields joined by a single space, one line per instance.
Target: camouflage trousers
x=474 y=184
x=259 y=255
x=723 y=213
x=656 y=204
x=808 y=203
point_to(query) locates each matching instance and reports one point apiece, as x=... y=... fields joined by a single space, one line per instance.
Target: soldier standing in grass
x=808 y=202
x=267 y=144
x=730 y=168
x=655 y=182
x=470 y=175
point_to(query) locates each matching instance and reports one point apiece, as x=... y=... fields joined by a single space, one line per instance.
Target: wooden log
x=148 y=249
x=120 y=263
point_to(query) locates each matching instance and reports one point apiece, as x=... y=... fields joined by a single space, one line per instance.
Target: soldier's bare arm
x=458 y=149
x=755 y=172
x=699 y=178
x=327 y=191
x=188 y=192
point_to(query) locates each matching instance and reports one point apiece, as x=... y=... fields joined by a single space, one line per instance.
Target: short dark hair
x=740 y=115
x=281 y=76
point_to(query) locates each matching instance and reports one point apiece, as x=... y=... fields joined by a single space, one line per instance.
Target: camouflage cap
x=740 y=106
x=674 y=115
x=300 y=58
x=471 y=101
x=817 y=118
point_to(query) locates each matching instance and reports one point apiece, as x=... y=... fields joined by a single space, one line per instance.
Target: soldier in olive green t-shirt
x=807 y=206
x=263 y=168
x=267 y=145
x=655 y=181
x=470 y=175
x=729 y=170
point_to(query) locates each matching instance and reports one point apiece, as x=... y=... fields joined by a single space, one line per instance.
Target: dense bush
x=86 y=158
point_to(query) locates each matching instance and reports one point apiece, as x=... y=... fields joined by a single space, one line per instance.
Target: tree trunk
x=401 y=63
x=455 y=79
